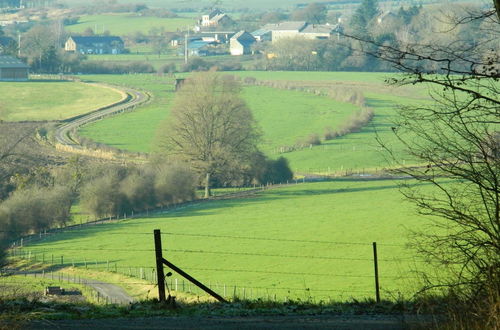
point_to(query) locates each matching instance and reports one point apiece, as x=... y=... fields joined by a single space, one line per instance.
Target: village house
x=241 y=43
x=287 y=30
x=214 y=20
x=12 y=69
x=95 y=45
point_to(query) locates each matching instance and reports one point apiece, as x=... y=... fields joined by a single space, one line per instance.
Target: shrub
x=174 y=183
x=313 y=139
x=168 y=68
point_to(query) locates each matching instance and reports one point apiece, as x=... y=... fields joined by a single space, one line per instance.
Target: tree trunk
x=497 y=7
x=208 y=192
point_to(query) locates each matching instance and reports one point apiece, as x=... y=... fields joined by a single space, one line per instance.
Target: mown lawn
x=312 y=239
x=41 y=100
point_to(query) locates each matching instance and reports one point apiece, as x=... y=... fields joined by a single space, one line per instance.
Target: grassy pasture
x=311 y=239
x=284 y=116
x=51 y=100
x=123 y=24
x=136 y=130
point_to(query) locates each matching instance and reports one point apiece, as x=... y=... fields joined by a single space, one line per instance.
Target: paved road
x=132 y=100
x=107 y=291
x=114 y=294
x=381 y=322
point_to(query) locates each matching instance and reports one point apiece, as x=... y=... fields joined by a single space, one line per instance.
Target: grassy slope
x=285 y=117
x=123 y=24
x=36 y=100
x=133 y=131
x=339 y=211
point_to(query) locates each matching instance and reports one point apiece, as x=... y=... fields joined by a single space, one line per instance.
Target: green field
x=284 y=116
x=311 y=239
x=123 y=24
x=51 y=100
x=136 y=130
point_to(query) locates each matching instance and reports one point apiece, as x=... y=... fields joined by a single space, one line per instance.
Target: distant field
x=123 y=24
x=52 y=100
x=285 y=117
x=312 y=239
x=258 y=4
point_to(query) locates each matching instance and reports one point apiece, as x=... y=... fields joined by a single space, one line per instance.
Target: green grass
x=328 y=213
x=124 y=24
x=136 y=130
x=284 y=116
x=40 y=100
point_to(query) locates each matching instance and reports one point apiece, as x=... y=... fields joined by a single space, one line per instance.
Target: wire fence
x=237 y=286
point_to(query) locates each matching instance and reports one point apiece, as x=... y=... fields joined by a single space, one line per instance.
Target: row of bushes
x=353 y=124
x=194 y=64
x=341 y=94
x=94 y=67
x=124 y=190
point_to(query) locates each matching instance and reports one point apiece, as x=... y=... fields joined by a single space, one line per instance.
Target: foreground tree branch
x=455 y=143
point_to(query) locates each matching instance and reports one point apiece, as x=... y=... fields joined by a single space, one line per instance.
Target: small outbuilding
x=13 y=69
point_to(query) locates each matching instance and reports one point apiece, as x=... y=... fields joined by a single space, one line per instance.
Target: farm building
x=285 y=30
x=305 y=30
x=95 y=45
x=241 y=43
x=316 y=31
x=12 y=69
x=262 y=35
x=197 y=47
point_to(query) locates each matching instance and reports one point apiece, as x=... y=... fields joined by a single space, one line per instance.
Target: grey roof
x=96 y=39
x=286 y=26
x=12 y=63
x=214 y=13
x=217 y=18
x=243 y=35
x=315 y=28
x=260 y=32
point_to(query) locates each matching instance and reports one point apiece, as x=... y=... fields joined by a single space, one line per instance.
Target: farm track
x=133 y=99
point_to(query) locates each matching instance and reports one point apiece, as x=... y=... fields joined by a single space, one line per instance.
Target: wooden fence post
x=159 y=266
x=375 y=263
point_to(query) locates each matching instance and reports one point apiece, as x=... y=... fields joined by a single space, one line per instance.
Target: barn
x=12 y=69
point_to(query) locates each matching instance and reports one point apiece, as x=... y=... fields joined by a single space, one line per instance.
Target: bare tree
x=455 y=142
x=210 y=126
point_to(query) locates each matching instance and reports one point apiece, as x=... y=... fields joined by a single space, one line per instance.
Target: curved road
x=132 y=100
